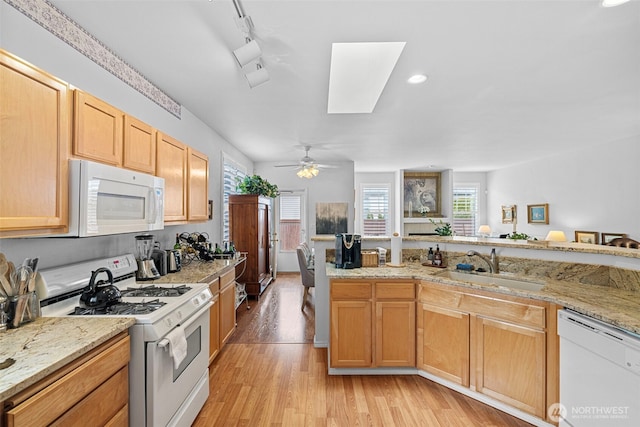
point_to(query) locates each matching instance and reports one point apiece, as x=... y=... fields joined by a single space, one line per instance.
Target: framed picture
x=508 y=214
x=538 y=214
x=421 y=194
x=607 y=237
x=587 y=237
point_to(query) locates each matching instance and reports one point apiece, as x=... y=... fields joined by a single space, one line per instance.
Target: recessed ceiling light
x=612 y=3
x=417 y=78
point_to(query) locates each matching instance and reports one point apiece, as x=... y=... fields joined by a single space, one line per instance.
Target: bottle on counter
x=437 y=257
x=430 y=256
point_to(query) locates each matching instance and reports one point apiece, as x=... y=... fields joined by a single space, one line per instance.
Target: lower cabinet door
x=214 y=329
x=227 y=313
x=511 y=365
x=395 y=333
x=443 y=343
x=351 y=334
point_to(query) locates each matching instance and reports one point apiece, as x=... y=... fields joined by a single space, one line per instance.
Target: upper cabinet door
x=139 y=146
x=34 y=147
x=171 y=164
x=198 y=186
x=97 y=130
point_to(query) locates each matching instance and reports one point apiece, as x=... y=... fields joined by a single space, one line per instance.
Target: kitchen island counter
x=618 y=307
x=42 y=347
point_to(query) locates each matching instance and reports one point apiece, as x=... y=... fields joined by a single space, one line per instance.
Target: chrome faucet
x=492 y=262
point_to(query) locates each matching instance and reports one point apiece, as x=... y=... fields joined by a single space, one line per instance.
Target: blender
x=144 y=248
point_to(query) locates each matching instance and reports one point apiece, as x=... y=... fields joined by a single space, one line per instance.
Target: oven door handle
x=165 y=342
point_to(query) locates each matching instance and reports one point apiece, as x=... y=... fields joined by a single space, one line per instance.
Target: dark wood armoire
x=249 y=230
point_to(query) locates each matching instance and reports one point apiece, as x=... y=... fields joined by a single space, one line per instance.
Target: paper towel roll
x=396 y=249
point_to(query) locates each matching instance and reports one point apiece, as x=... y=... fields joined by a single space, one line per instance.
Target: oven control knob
x=169 y=322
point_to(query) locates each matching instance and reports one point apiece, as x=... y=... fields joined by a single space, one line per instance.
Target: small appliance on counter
x=147 y=269
x=348 y=247
x=173 y=261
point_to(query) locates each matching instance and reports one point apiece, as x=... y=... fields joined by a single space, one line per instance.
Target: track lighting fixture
x=257 y=77
x=247 y=53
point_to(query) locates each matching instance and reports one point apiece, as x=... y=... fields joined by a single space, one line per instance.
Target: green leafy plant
x=443 y=228
x=520 y=236
x=255 y=184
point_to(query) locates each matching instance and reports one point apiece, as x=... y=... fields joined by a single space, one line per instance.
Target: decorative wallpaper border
x=57 y=23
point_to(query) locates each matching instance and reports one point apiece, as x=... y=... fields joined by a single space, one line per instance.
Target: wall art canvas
x=331 y=218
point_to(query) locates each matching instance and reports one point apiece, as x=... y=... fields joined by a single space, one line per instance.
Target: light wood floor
x=270 y=374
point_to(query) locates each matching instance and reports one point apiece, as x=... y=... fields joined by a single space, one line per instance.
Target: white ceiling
x=509 y=81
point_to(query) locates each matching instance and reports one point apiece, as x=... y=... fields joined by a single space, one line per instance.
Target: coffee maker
x=348 y=251
x=144 y=249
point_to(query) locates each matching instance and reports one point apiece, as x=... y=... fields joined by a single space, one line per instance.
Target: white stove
x=161 y=392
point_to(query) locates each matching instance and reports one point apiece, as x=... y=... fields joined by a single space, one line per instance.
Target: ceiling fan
x=307 y=167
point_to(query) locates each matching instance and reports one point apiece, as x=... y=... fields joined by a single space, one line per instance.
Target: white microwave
x=106 y=200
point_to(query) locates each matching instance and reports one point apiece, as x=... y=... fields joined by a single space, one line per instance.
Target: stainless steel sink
x=493 y=279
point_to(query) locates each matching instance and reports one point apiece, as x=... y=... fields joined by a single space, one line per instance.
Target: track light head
x=247 y=53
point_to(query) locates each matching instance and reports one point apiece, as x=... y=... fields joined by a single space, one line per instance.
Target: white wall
x=594 y=189
x=330 y=186
x=27 y=40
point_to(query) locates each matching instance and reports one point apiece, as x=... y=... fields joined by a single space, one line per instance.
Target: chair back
x=308 y=276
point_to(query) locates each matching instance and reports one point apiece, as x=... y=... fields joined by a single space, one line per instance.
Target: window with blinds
x=290 y=221
x=375 y=209
x=465 y=210
x=231 y=175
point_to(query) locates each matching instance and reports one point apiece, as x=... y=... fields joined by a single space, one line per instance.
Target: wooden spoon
x=4 y=273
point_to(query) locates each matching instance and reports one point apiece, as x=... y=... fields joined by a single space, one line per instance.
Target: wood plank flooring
x=270 y=374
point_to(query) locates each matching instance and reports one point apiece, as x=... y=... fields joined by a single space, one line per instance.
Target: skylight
x=359 y=73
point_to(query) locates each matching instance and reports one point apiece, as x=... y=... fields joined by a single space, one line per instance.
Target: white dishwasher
x=599 y=374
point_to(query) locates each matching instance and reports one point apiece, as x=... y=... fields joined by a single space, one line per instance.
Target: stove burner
x=121 y=308
x=155 y=291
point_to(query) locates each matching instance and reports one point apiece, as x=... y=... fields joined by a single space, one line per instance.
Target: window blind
x=375 y=210
x=465 y=210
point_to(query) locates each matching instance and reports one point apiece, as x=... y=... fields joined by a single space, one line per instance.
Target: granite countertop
x=504 y=243
x=618 y=307
x=41 y=347
x=197 y=271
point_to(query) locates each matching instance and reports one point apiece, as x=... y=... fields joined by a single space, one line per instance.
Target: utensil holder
x=23 y=309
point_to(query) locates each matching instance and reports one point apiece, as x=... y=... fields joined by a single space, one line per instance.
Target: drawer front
x=47 y=405
x=510 y=311
x=101 y=405
x=227 y=279
x=397 y=290
x=351 y=290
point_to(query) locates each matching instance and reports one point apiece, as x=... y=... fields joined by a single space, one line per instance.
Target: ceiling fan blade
x=327 y=166
x=288 y=166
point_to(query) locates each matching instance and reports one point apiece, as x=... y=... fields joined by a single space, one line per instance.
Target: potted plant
x=255 y=184
x=443 y=228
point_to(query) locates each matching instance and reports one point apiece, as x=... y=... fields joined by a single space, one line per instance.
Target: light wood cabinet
x=498 y=345
x=34 y=147
x=94 y=387
x=97 y=129
x=510 y=364
x=250 y=232
x=372 y=324
x=139 y=152
x=443 y=343
x=171 y=164
x=214 y=320
x=395 y=324
x=227 y=306
x=198 y=186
